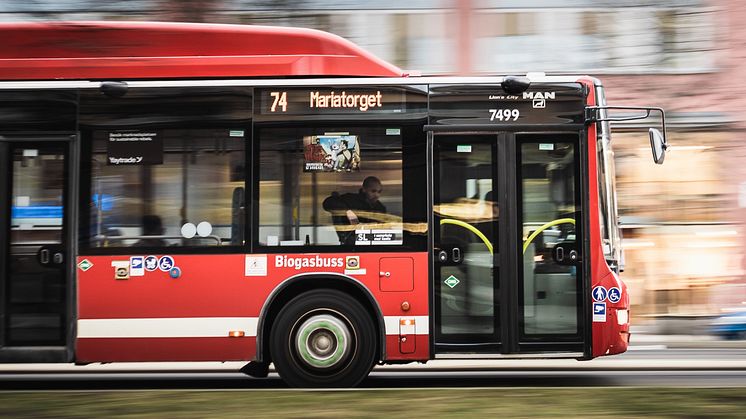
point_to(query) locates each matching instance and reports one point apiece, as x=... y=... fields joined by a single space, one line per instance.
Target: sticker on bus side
x=151 y=263
x=352 y=266
x=256 y=265
x=379 y=237
x=165 y=263
x=121 y=269
x=599 y=312
x=85 y=265
x=599 y=293
x=615 y=295
x=137 y=267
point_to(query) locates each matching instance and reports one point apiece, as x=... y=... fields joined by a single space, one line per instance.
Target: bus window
x=550 y=221
x=166 y=187
x=300 y=168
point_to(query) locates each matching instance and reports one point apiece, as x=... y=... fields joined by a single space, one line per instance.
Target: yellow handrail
x=487 y=241
x=544 y=227
x=470 y=228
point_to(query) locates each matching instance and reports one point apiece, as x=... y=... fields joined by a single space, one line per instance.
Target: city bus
x=279 y=196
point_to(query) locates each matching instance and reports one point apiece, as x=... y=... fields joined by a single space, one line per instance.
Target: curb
x=508 y=365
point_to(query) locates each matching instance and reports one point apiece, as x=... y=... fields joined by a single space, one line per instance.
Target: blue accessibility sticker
x=151 y=263
x=165 y=263
x=615 y=294
x=599 y=293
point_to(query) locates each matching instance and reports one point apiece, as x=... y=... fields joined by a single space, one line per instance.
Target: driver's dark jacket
x=365 y=211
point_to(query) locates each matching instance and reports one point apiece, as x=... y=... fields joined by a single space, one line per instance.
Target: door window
x=509 y=275
x=549 y=211
x=465 y=216
x=35 y=293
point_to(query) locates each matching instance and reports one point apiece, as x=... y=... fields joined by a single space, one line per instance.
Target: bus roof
x=150 y=50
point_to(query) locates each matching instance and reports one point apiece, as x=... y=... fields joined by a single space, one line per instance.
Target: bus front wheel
x=323 y=338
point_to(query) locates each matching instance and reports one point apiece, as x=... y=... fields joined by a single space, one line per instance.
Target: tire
x=323 y=338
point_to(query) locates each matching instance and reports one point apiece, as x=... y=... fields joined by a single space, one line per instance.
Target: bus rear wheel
x=323 y=338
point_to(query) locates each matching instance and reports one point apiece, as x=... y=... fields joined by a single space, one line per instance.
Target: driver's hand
x=352 y=217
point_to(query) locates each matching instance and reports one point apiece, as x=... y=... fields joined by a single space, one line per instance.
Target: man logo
x=353 y=262
x=539 y=95
x=539 y=99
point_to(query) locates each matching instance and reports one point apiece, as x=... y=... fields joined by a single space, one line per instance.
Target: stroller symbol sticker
x=151 y=263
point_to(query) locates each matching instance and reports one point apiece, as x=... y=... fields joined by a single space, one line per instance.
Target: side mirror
x=657 y=140
x=658 y=145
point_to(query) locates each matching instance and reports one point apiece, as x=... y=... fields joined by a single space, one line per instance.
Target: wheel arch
x=298 y=284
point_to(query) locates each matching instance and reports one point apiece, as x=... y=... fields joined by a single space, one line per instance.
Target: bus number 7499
x=504 y=114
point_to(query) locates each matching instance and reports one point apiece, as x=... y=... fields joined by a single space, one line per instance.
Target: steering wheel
x=544 y=227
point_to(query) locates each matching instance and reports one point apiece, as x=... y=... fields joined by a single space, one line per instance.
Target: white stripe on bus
x=202 y=327
x=187 y=327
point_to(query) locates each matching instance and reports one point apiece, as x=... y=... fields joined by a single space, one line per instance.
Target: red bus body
x=214 y=309
x=140 y=50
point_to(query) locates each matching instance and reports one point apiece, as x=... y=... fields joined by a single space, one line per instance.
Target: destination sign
x=346 y=100
x=556 y=103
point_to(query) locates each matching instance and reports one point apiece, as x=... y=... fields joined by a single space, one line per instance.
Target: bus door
x=36 y=250
x=507 y=272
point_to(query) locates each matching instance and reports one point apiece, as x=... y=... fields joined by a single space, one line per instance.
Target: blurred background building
x=683 y=221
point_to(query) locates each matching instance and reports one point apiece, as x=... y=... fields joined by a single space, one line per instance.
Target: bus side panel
x=165 y=349
x=139 y=308
x=610 y=336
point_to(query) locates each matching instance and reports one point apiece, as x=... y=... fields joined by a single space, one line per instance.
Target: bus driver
x=351 y=209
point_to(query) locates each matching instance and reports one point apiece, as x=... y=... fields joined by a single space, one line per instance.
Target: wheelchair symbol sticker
x=615 y=294
x=165 y=263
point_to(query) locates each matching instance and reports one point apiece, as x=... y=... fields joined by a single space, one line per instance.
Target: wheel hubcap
x=323 y=341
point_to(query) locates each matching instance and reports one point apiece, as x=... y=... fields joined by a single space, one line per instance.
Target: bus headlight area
x=622 y=317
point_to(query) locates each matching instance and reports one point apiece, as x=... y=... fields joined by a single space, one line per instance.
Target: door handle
x=456 y=255
x=449 y=255
x=44 y=256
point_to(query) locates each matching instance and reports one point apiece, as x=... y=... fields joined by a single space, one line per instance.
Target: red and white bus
x=163 y=190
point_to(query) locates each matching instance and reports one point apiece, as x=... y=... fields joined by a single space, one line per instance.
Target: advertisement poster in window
x=331 y=153
x=134 y=148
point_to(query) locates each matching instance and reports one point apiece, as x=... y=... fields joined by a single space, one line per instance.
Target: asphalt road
x=652 y=365
x=378 y=380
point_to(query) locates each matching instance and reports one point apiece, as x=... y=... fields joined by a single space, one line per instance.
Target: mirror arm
x=592 y=114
